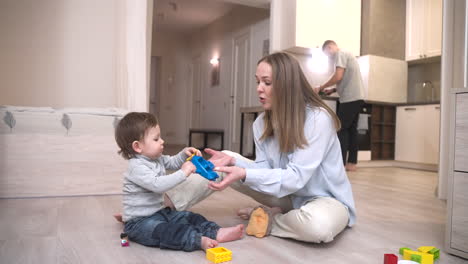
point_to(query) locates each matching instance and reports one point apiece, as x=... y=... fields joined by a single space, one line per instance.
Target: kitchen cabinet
x=423 y=29
x=457 y=198
x=301 y=25
x=431 y=133
x=384 y=79
x=417 y=133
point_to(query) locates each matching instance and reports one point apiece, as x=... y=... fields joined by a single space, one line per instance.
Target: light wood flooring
x=396 y=208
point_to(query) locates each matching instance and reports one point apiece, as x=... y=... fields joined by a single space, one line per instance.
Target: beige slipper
x=260 y=222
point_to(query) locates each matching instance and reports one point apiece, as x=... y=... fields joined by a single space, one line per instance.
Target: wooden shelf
x=383 y=120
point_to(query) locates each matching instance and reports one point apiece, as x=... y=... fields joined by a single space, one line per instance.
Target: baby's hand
x=188 y=168
x=190 y=151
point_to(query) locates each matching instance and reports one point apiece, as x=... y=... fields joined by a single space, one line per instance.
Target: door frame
x=233 y=129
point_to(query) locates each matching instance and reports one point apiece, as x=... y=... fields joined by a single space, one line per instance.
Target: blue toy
x=204 y=167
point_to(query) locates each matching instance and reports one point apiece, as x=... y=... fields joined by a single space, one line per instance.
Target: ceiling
x=184 y=16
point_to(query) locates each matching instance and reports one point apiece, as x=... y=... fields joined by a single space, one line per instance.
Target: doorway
x=155 y=85
x=196 y=96
x=240 y=85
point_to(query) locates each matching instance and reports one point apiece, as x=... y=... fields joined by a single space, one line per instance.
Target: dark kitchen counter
x=418 y=103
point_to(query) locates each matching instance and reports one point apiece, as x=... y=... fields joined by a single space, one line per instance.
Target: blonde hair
x=291 y=94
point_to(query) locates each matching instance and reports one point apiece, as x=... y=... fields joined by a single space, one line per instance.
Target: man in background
x=349 y=86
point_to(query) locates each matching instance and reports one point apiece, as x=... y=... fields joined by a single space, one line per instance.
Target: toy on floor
x=204 y=167
x=124 y=240
x=430 y=250
x=218 y=254
x=390 y=259
x=424 y=255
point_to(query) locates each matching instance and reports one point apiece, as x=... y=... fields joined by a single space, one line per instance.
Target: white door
x=155 y=85
x=195 y=101
x=240 y=85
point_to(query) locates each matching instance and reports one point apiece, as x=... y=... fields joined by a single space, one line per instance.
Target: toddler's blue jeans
x=179 y=230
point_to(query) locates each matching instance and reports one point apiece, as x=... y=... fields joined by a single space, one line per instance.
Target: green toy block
x=435 y=252
x=402 y=250
x=416 y=258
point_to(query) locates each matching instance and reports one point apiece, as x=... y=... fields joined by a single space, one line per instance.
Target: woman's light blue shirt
x=314 y=171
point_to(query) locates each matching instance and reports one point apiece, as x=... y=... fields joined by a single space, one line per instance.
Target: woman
x=298 y=170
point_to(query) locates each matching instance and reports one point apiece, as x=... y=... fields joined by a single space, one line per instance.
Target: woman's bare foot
x=118 y=217
x=351 y=166
x=244 y=213
x=232 y=233
x=168 y=202
x=207 y=243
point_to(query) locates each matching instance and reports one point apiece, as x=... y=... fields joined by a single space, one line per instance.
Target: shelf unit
x=382 y=130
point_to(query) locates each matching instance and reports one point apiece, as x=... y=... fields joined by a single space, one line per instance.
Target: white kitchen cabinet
x=423 y=29
x=384 y=79
x=431 y=133
x=417 y=133
x=409 y=143
x=301 y=25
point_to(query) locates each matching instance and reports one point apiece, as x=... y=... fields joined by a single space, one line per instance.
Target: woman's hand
x=190 y=151
x=233 y=174
x=220 y=159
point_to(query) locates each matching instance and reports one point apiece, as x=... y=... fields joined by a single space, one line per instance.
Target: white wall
x=68 y=53
x=58 y=53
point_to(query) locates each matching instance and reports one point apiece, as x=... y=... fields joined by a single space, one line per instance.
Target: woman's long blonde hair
x=291 y=93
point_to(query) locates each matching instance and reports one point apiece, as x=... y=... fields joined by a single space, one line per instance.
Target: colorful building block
x=402 y=250
x=204 y=168
x=124 y=240
x=417 y=256
x=430 y=250
x=390 y=259
x=218 y=255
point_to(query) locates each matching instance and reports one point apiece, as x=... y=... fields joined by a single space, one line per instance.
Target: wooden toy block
x=390 y=259
x=218 y=254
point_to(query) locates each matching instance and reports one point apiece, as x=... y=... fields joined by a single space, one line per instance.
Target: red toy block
x=390 y=259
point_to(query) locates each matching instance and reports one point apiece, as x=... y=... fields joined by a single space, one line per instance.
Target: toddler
x=147 y=220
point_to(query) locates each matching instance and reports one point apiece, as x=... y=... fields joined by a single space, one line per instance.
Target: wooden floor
x=396 y=208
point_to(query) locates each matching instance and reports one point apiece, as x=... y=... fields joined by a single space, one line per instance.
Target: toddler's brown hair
x=133 y=127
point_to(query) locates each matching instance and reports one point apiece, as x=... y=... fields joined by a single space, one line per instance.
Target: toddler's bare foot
x=244 y=213
x=226 y=234
x=207 y=243
x=118 y=217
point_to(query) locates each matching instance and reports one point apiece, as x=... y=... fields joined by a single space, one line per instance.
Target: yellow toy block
x=430 y=250
x=417 y=256
x=219 y=254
